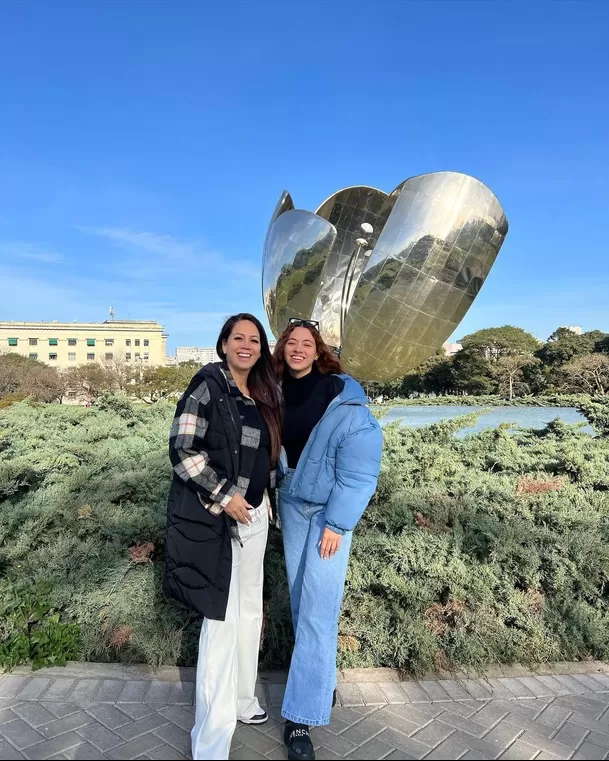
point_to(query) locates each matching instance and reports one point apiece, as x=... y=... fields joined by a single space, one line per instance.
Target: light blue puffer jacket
x=340 y=464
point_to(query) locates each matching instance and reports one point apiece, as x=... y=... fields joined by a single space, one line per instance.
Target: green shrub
x=490 y=548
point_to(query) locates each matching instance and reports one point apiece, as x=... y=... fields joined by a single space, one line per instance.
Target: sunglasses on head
x=303 y=323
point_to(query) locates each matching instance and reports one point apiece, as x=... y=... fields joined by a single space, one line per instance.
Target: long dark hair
x=261 y=381
x=327 y=362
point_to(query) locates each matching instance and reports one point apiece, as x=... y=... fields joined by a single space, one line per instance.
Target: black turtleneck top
x=306 y=399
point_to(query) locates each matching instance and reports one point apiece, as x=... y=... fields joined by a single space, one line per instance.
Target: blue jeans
x=316 y=593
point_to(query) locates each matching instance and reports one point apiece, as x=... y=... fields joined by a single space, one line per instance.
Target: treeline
x=510 y=362
x=24 y=378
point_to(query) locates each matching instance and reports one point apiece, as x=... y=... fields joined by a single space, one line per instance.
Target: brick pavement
x=94 y=712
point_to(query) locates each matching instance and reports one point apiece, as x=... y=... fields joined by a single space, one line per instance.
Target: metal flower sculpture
x=387 y=276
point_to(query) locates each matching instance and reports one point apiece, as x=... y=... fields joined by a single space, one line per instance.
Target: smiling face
x=300 y=352
x=242 y=348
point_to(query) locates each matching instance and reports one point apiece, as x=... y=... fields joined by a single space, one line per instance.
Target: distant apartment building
x=67 y=344
x=577 y=329
x=202 y=355
x=451 y=349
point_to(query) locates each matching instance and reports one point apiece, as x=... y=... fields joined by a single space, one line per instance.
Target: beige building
x=200 y=354
x=67 y=344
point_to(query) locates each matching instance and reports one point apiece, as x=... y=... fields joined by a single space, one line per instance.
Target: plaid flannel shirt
x=187 y=451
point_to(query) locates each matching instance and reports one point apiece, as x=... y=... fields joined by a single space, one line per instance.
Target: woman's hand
x=238 y=509
x=329 y=544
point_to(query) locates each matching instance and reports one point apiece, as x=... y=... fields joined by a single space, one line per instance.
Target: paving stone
x=399 y=755
x=259 y=692
x=321 y=754
x=11 y=685
x=364 y=730
x=489 y=750
x=393 y=721
x=393 y=692
x=179 y=739
x=276 y=693
x=520 y=720
x=489 y=715
x=500 y=690
x=33 y=689
x=450 y=748
x=603 y=679
x=141 y=727
x=474 y=755
x=538 y=689
x=553 y=684
x=454 y=689
x=83 y=751
x=433 y=734
x=582 y=721
x=371 y=694
x=544 y=744
x=404 y=744
x=413 y=714
x=437 y=694
x=517 y=688
x=183 y=693
x=574 y=687
x=554 y=716
x=414 y=693
x=180 y=716
x=135 y=748
x=69 y=723
x=519 y=750
x=133 y=691
x=85 y=690
x=470 y=726
x=503 y=734
x=109 y=690
x=598 y=739
x=336 y=743
x=342 y=718
x=164 y=752
x=157 y=692
x=465 y=709
x=110 y=716
x=20 y=734
x=9 y=714
x=8 y=753
x=61 y=710
x=34 y=713
x=59 y=690
x=136 y=711
x=478 y=689
x=590 y=752
x=348 y=694
x=571 y=735
x=245 y=754
x=100 y=736
x=50 y=748
x=376 y=748
x=545 y=756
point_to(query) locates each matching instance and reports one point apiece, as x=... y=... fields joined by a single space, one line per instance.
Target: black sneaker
x=260 y=718
x=298 y=742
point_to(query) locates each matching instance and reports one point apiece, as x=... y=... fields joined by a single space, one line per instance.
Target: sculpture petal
x=442 y=235
x=296 y=249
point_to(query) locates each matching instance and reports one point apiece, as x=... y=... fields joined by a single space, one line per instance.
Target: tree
x=29 y=378
x=493 y=343
x=589 y=374
x=509 y=372
x=471 y=373
x=91 y=379
x=119 y=371
x=564 y=345
x=161 y=382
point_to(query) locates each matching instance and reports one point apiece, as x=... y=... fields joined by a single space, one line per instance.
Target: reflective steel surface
x=391 y=303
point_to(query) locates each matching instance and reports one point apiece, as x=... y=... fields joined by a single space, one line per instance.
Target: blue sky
x=143 y=145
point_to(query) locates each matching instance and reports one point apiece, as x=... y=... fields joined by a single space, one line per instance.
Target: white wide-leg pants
x=227 y=666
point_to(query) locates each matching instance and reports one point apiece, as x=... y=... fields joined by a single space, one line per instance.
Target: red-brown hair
x=327 y=362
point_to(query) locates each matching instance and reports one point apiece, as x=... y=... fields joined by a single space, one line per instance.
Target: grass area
x=493 y=548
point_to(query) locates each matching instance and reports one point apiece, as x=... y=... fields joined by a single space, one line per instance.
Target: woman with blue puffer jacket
x=329 y=469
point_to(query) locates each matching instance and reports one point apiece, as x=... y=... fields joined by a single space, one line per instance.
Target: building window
x=13 y=341
x=71 y=342
x=52 y=356
x=90 y=342
x=33 y=342
x=128 y=342
x=128 y=357
x=90 y=357
x=72 y=356
x=109 y=342
x=52 y=342
x=146 y=342
x=109 y=355
x=137 y=341
x=146 y=356
x=34 y=355
x=137 y=355
x=71 y=393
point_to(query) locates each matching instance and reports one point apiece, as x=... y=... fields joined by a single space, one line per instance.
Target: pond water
x=527 y=417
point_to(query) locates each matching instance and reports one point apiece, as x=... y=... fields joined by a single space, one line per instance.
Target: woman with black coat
x=225 y=442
